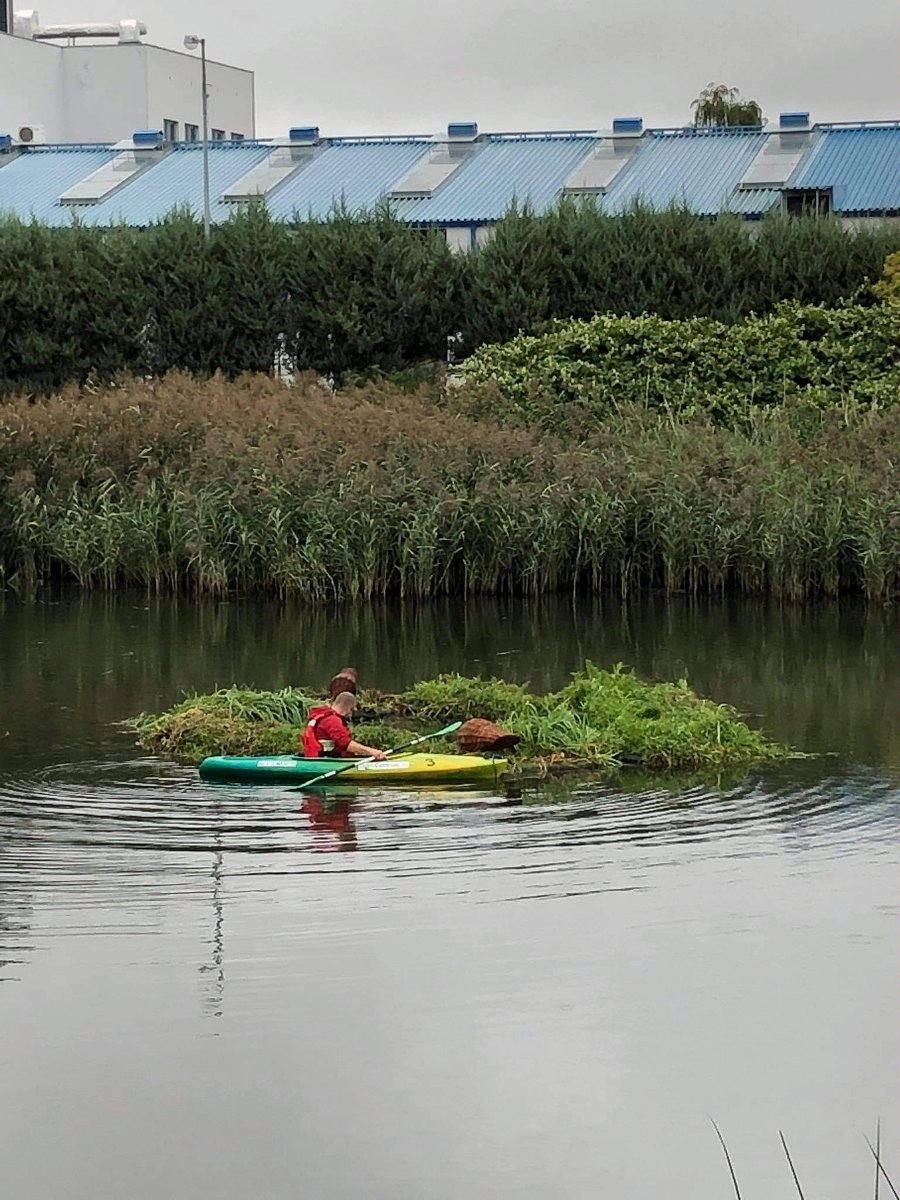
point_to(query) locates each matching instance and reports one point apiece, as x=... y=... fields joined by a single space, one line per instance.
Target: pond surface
x=215 y=992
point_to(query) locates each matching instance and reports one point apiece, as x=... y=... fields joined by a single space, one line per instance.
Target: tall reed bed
x=217 y=486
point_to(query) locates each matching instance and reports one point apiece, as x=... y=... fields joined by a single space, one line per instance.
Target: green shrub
x=72 y=305
x=888 y=287
x=580 y=370
x=358 y=295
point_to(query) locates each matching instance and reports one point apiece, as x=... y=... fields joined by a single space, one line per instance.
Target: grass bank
x=600 y=719
x=214 y=487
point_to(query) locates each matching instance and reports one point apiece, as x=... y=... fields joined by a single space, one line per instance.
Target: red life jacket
x=316 y=742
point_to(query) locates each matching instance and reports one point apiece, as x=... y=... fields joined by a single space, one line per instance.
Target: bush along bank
x=579 y=370
x=358 y=294
x=247 y=486
x=599 y=719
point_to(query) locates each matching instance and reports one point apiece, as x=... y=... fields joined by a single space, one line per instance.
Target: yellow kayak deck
x=404 y=769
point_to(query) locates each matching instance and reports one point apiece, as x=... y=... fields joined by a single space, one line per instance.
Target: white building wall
x=174 y=92
x=31 y=87
x=459 y=238
x=106 y=92
x=103 y=93
x=869 y=222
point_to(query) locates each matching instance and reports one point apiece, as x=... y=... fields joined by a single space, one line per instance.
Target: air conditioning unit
x=32 y=135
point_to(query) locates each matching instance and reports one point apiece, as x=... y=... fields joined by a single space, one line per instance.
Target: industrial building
x=464 y=181
x=103 y=154
x=96 y=82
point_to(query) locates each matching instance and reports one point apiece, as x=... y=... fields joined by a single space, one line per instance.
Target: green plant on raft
x=454 y=697
x=387 y=737
x=600 y=719
x=243 y=720
x=615 y=717
x=288 y=706
x=195 y=733
x=662 y=724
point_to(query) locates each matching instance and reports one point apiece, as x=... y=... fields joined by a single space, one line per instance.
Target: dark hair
x=346 y=680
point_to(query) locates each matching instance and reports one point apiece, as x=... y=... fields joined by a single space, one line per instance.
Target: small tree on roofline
x=721 y=105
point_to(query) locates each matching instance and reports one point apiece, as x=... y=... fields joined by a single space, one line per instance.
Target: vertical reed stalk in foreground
x=791 y=1165
x=737 y=1190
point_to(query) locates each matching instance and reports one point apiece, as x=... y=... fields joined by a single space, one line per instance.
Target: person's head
x=344 y=703
x=346 y=680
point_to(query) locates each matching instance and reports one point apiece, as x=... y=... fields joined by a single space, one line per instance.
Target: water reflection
x=331 y=823
x=580 y=972
x=15 y=931
x=212 y=973
x=50 y=818
x=822 y=677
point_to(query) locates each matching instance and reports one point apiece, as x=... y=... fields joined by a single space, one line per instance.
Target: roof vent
x=148 y=139
x=304 y=135
x=433 y=170
x=595 y=174
x=781 y=153
x=628 y=126
x=132 y=158
x=793 y=120
x=462 y=131
x=283 y=160
x=27 y=24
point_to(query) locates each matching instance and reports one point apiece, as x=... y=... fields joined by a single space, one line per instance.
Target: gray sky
x=396 y=66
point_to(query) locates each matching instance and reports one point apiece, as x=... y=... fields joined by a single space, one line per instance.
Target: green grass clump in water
x=600 y=718
x=456 y=697
x=387 y=737
x=659 y=725
x=195 y=733
x=228 y=721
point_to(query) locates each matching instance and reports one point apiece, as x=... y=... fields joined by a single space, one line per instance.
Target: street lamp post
x=191 y=43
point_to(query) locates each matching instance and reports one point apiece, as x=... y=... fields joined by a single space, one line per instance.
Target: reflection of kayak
x=404 y=769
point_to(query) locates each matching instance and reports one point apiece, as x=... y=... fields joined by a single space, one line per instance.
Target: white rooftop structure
x=104 y=81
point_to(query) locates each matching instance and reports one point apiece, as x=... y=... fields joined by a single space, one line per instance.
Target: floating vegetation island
x=599 y=719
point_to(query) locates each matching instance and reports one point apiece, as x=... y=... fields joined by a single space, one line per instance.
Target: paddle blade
x=449 y=729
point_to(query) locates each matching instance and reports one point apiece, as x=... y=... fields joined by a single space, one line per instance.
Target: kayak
x=404 y=769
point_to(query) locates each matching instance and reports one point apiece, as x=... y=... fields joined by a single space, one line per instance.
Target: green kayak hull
x=405 y=769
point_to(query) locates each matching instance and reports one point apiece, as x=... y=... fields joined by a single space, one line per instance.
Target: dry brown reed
x=216 y=485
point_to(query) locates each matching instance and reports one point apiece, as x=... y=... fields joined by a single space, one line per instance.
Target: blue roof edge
x=229 y=144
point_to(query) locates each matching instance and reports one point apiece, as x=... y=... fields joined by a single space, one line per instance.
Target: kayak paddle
x=355 y=762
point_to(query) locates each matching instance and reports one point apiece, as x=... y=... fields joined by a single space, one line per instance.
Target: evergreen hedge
x=357 y=293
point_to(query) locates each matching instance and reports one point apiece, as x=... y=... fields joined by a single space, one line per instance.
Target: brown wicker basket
x=478 y=736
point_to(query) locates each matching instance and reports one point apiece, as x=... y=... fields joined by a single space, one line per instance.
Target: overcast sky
x=397 y=66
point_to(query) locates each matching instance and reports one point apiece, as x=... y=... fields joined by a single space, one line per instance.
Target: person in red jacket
x=327 y=733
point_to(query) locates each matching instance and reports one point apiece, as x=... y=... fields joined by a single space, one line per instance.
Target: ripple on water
x=103 y=845
x=146 y=805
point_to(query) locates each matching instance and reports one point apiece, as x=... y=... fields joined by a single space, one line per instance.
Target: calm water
x=209 y=992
